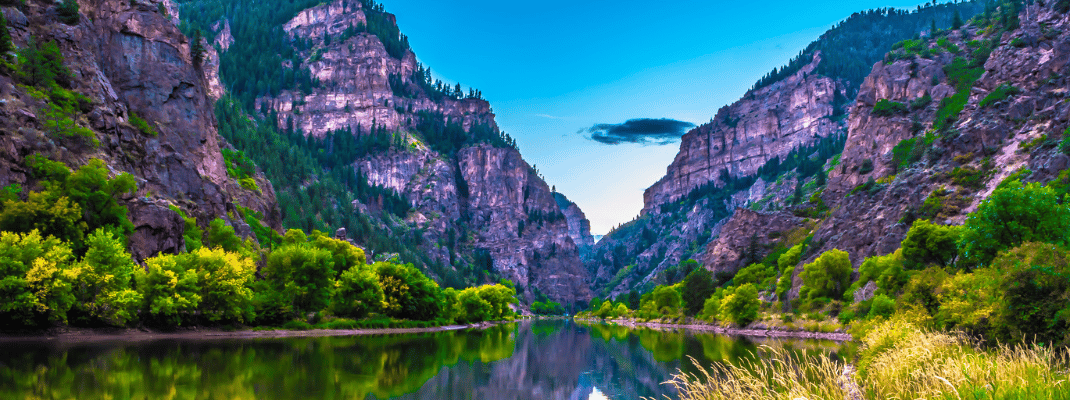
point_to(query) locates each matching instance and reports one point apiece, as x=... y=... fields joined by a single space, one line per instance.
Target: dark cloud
x=645 y=131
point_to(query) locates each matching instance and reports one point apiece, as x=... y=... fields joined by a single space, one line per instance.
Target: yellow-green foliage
x=142 y=125
x=225 y=280
x=929 y=244
x=828 y=276
x=787 y=263
x=740 y=306
x=104 y=285
x=36 y=278
x=773 y=375
x=484 y=303
x=1012 y=215
x=46 y=212
x=169 y=288
x=711 y=309
x=887 y=271
x=357 y=293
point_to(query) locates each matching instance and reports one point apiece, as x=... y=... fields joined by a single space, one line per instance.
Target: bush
x=828 y=276
x=408 y=293
x=1011 y=216
x=882 y=306
x=225 y=279
x=741 y=306
x=142 y=125
x=867 y=167
x=1035 y=292
x=697 y=287
x=711 y=309
x=36 y=277
x=667 y=297
x=930 y=244
x=886 y=108
x=303 y=275
x=169 y=289
x=103 y=287
x=357 y=293
x=920 y=292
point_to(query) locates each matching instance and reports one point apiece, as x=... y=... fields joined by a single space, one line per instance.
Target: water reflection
x=527 y=360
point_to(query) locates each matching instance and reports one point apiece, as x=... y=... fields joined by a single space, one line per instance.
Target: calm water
x=525 y=360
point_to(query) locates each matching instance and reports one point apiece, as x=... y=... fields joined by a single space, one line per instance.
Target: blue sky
x=552 y=69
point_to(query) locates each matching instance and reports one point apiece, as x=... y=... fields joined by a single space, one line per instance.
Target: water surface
x=546 y=359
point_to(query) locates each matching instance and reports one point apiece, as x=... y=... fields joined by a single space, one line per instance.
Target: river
x=542 y=359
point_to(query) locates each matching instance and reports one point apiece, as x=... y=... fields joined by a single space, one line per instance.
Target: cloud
x=644 y=131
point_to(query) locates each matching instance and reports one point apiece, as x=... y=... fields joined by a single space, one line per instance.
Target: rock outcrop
x=579 y=227
x=129 y=59
x=765 y=123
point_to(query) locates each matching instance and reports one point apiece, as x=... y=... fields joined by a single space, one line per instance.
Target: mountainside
x=408 y=166
x=769 y=151
x=119 y=85
x=937 y=126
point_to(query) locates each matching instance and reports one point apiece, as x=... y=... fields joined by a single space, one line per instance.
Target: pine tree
x=68 y=12
x=197 y=48
x=956 y=23
x=932 y=29
x=5 y=39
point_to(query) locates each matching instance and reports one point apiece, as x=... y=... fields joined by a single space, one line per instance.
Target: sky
x=565 y=77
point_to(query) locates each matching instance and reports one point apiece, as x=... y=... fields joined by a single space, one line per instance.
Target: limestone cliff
x=579 y=227
x=129 y=59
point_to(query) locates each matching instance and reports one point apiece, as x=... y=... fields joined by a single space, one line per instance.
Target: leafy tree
x=741 y=306
x=68 y=12
x=697 y=287
x=667 y=300
x=605 y=310
x=1035 y=286
x=103 y=287
x=36 y=278
x=225 y=280
x=303 y=275
x=711 y=309
x=169 y=290
x=222 y=236
x=620 y=311
x=828 y=276
x=887 y=271
x=357 y=293
x=98 y=195
x=920 y=292
x=930 y=244
x=407 y=292
x=1012 y=215
x=344 y=254
x=758 y=274
x=787 y=263
x=46 y=212
x=472 y=307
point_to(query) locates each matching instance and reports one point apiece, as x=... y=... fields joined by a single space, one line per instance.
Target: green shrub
x=711 y=309
x=407 y=292
x=225 y=279
x=104 y=285
x=930 y=244
x=882 y=306
x=921 y=102
x=828 y=276
x=296 y=325
x=142 y=125
x=886 y=108
x=741 y=306
x=357 y=293
x=303 y=275
x=1035 y=292
x=169 y=289
x=867 y=167
x=667 y=297
x=1013 y=215
x=999 y=94
x=36 y=279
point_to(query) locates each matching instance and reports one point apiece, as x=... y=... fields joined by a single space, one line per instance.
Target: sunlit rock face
x=765 y=123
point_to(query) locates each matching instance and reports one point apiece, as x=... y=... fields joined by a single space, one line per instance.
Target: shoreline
x=87 y=335
x=764 y=333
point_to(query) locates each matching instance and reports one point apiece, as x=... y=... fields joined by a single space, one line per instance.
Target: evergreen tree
x=68 y=12
x=956 y=23
x=197 y=48
x=5 y=39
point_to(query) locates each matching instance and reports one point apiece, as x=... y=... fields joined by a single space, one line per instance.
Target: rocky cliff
x=130 y=60
x=766 y=123
x=932 y=133
x=478 y=211
x=579 y=227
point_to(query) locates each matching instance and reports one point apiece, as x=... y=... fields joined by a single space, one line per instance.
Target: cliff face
x=765 y=123
x=579 y=227
x=477 y=208
x=916 y=163
x=129 y=59
x=354 y=78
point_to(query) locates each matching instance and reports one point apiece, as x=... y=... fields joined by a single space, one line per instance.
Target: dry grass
x=899 y=360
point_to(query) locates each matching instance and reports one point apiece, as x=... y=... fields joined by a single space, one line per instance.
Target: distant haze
x=561 y=74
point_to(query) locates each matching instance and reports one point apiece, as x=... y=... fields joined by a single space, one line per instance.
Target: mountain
x=770 y=151
x=117 y=92
x=328 y=99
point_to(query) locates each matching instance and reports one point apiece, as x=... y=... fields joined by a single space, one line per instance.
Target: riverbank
x=78 y=335
x=751 y=332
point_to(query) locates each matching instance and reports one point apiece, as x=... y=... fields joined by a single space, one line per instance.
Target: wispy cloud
x=549 y=116
x=645 y=131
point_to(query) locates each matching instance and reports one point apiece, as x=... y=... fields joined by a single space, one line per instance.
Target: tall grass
x=899 y=360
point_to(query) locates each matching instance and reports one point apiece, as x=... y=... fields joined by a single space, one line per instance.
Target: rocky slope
x=768 y=152
x=129 y=59
x=479 y=211
x=928 y=161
